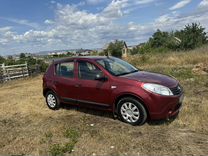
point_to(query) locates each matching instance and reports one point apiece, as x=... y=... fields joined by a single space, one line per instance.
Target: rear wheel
x=52 y=100
x=132 y=111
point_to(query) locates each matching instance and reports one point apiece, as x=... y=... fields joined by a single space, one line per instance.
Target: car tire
x=52 y=100
x=131 y=111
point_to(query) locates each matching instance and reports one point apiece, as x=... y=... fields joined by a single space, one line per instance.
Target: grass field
x=28 y=127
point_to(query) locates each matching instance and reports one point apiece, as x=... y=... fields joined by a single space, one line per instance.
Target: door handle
x=77 y=85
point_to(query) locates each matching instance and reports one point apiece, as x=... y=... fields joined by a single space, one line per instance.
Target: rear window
x=65 y=69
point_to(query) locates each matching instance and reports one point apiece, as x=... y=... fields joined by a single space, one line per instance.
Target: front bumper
x=165 y=107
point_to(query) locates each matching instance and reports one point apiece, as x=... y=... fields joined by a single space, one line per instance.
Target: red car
x=114 y=85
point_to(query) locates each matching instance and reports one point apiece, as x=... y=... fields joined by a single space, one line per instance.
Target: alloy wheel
x=51 y=100
x=130 y=112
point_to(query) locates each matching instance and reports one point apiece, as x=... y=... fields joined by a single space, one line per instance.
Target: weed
x=72 y=134
x=48 y=135
x=57 y=149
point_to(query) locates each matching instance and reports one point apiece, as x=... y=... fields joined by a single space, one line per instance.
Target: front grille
x=176 y=90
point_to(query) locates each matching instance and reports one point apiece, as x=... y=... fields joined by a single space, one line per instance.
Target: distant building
x=57 y=53
x=125 y=50
x=84 y=52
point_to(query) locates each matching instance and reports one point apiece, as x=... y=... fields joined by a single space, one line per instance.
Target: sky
x=44 y=25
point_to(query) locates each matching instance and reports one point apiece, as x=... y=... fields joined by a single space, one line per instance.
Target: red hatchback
x=114 y=85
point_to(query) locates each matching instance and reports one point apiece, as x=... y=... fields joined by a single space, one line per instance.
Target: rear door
x=92 y=92
x=65 y=81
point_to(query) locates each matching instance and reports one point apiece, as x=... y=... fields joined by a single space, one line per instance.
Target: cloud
x=73 y=27
x=115 y=8
x=22 y=22
x=203 y=5
x=119 y=8
x=53 y=2
x=176 y=21
x=4 y=29
x=94 y=2
x=6 y=35
x=180 y=4
x=71 y=16
x=47 y=21
x=144 y=1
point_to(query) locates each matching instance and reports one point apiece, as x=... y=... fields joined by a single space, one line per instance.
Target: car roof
x=79 y=57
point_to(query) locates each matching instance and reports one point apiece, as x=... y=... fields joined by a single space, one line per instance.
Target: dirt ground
x=28 y=127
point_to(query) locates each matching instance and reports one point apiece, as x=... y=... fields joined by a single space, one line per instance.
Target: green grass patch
x=72 y=134
x=58 y=149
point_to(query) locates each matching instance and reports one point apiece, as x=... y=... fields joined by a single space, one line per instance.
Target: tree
x=115 y=48
x=145 y=48
x=10 y=60
x=31 y=61
x=22 y=55
x=43 y=66
x=192 y=36
x=2 y=60
x=159 y=39
x=134 y=51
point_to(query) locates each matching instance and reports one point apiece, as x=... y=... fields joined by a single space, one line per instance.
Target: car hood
x=150 y=77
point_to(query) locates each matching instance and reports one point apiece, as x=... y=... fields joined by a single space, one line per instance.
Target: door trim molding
x=83 y=102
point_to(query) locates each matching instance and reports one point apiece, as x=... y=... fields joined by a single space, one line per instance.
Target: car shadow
x=106 y=114
x=90 y=111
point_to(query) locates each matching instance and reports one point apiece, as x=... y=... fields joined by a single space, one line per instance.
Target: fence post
x=3 y=72
x=27 y=68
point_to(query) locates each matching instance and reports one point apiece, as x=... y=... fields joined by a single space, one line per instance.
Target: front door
x=92 y=92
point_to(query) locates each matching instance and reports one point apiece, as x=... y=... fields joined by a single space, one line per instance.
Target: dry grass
x=27 y=126
x=175 y=59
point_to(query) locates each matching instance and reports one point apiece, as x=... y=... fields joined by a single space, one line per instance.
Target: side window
x=65 y=69
x=88 y=71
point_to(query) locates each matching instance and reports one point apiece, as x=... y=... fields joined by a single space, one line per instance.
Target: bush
x=134 y=51
x=42 y=65
x=2 y=60
x=192 y=36
x=146 y=48
x=159 y=39
x=115 y=48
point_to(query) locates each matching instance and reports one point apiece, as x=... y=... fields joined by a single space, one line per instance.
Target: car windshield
x=117 y=67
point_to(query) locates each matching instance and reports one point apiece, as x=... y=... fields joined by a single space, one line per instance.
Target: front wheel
x=52 y=100
x=132 y=111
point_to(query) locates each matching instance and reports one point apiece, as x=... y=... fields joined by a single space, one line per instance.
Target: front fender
x=136 y=92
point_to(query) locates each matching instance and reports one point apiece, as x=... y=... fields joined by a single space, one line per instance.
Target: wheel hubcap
x=51 y=100
x=130 y=112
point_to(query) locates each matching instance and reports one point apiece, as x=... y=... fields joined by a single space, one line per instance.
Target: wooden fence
x=13 y=71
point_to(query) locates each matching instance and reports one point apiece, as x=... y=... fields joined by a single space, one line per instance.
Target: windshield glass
x=117 y=67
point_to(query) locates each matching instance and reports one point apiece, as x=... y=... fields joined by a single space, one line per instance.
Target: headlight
x=156 y=88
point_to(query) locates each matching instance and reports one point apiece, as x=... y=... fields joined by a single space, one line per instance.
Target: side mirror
x=101 y=77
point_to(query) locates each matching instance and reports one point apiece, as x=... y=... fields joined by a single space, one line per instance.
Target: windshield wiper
x=127 y=73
